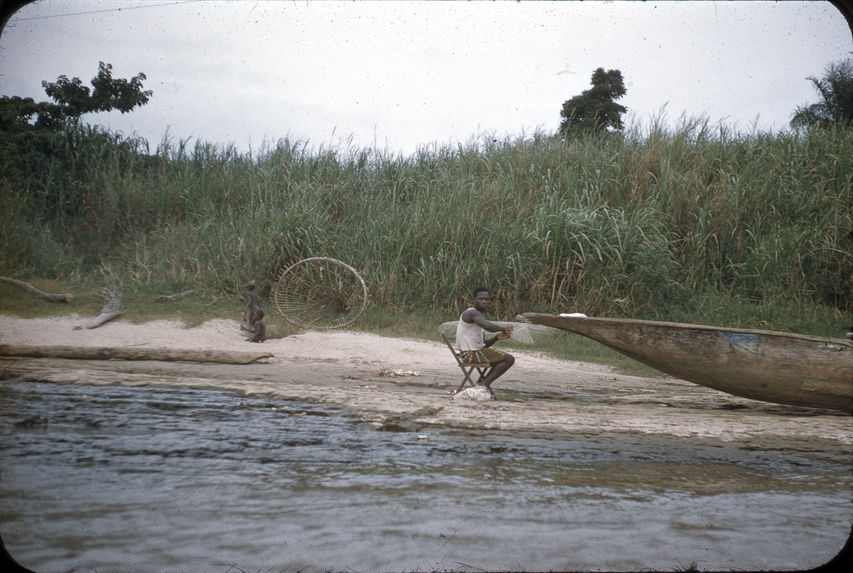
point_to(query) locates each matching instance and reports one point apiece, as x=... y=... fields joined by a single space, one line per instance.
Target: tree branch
x=66 y=297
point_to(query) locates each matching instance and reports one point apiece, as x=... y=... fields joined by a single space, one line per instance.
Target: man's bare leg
x=497 y=371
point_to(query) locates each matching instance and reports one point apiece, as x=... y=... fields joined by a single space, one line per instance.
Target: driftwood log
x=111 y=309
x=64 y=297
x=109 y=353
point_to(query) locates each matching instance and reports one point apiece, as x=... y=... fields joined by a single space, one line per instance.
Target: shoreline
x=404 y=384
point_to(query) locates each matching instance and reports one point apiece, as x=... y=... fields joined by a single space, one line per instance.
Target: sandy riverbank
x=405 y=383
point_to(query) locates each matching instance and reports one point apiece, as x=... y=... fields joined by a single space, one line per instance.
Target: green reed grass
x=658 y=224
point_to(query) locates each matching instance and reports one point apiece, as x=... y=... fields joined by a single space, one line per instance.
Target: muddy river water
x=160 y=478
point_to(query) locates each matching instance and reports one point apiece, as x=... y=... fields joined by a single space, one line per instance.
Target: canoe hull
x=776 y=367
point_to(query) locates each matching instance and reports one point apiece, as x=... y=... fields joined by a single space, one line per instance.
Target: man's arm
x=475 y=316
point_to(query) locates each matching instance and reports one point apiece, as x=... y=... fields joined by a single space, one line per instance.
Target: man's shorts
x=485 y=354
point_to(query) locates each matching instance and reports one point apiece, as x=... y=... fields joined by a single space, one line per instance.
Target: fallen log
x=102 y=318
x=111 y=353
x=64 y=297
x=111 y=309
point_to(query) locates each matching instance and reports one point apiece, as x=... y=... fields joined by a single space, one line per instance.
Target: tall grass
x=651 y=224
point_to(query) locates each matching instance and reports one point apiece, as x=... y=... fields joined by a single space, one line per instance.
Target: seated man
x=471 y=341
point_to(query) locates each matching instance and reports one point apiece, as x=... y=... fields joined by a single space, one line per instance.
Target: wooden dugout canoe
x=778 y=367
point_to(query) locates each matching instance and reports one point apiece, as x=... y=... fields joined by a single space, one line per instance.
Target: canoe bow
x=778 y=367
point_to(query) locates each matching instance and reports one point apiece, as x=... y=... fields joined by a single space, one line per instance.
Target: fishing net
x=522 y=332
x=320 y=292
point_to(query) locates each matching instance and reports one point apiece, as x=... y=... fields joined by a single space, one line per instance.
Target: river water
x=157 y=478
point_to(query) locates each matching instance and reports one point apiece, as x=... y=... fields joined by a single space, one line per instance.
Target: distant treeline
x=650 y=225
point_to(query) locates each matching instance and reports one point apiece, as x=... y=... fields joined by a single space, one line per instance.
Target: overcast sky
x=399 y=76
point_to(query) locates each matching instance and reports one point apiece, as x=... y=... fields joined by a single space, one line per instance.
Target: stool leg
x=466 y=380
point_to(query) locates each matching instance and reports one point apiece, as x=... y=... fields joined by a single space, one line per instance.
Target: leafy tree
x=39 y=140
x=71 y=99
x=836 y=91
x=595 y=110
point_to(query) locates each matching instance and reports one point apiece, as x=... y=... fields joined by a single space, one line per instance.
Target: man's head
x=480 y=289
x=482 y=300
x=250 y=285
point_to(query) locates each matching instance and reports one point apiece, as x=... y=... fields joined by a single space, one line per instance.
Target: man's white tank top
x=469 y=336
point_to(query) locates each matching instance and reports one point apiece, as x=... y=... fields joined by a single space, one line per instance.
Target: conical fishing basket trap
x=320 y=292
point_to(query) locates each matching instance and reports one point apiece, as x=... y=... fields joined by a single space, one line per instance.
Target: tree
x=71 y=99
x=595 y=110
x=836 y=91
x=39 y=140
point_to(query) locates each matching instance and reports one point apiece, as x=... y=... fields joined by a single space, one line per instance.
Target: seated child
x=259 y=328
